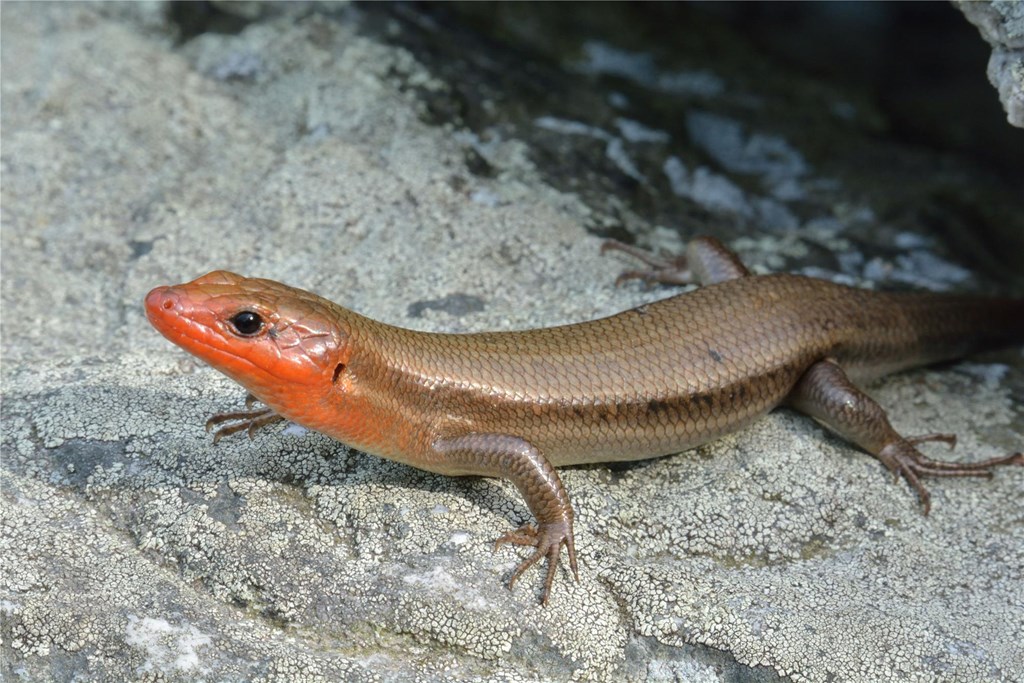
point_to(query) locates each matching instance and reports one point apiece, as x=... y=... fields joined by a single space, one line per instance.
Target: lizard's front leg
x=513 y=458
x=250 y=420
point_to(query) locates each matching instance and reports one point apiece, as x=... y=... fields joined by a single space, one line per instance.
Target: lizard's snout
x=162 y=302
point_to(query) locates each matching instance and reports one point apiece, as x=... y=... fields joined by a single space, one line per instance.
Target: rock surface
x=1001 y=24
x=307 y=145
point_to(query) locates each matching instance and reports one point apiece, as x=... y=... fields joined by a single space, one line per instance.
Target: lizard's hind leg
x=706 y=261
x=827 y=394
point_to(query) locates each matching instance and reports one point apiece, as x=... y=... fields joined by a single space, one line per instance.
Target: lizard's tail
x=892 y=332
x=949 y=326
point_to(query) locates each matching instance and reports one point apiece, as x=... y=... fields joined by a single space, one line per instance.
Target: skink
x=650 y=381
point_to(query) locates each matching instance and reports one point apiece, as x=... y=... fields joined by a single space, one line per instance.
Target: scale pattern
x=663 y=377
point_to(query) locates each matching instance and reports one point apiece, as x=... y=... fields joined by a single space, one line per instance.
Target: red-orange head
x=278 y=342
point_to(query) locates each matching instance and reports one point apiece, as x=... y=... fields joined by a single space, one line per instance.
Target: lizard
x=650 y=381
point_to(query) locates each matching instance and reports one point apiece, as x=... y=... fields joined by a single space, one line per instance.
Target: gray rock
x=1001 y=24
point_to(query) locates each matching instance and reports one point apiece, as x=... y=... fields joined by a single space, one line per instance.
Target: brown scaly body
x=646 y=382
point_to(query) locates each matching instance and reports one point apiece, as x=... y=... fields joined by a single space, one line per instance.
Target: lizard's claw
x=249 y=421
x=903 y=459
x=548 y=540
x=661 y=269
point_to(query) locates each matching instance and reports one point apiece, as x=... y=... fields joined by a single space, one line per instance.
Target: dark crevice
x=196 y=18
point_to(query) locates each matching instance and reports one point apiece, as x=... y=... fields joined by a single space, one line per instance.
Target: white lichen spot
x=294 y=430
x=920 y=268
x=639 y=67
x=616 y=152
x=567 y=127
x=714 y=192
x=725 y=139
x=634 y=131
x=168 y=648
x=460 y=538
x=991 y=374
x=485 y=197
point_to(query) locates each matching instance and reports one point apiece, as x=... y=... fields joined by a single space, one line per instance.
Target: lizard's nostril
x=161 y=298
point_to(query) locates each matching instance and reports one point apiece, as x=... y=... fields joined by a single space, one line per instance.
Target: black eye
x=247 y=323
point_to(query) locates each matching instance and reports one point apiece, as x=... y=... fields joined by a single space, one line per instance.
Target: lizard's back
x=662 y=377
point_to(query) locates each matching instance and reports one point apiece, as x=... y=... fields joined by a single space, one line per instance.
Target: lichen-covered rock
x=1001 y=24
x=301 y=148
